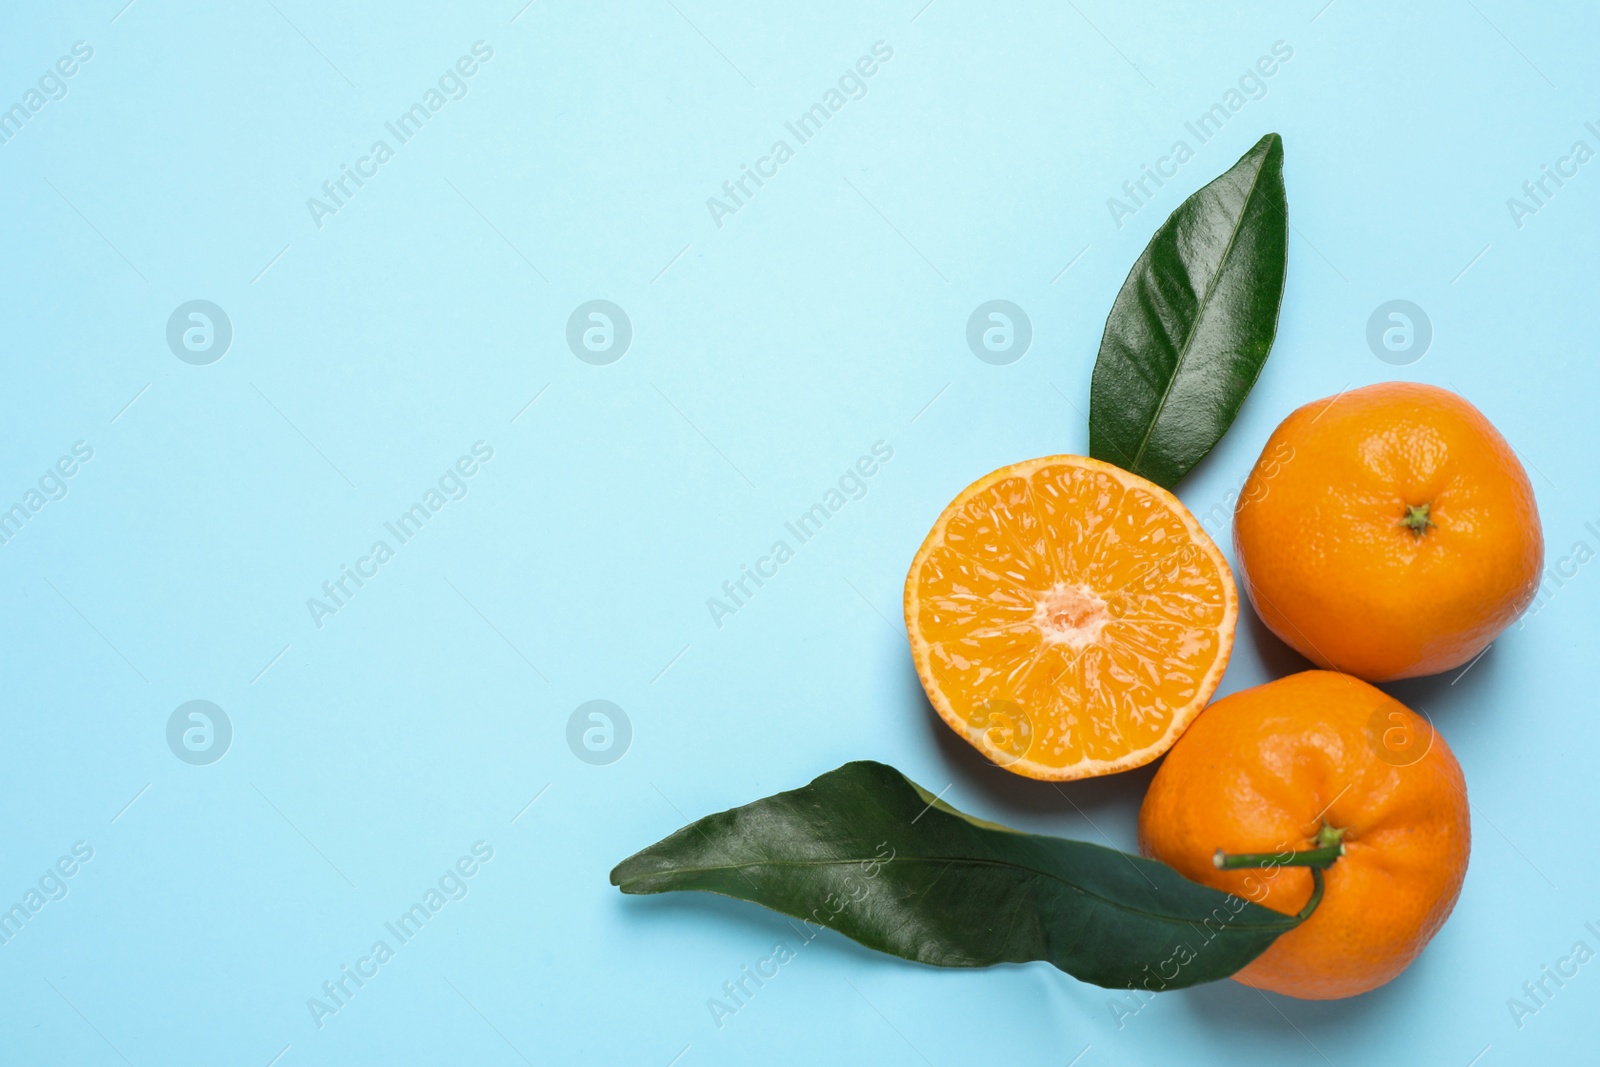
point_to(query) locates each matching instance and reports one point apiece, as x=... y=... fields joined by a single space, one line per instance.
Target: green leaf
x=865 y=851
x=1191 y=328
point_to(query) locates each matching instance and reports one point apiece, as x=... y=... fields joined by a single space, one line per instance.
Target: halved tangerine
x=1068 y=618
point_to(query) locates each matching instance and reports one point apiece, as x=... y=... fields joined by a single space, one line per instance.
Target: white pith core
x=1071 y=615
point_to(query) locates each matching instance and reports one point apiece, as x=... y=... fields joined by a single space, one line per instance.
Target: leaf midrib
x=1289 y=923
x=1205 y=303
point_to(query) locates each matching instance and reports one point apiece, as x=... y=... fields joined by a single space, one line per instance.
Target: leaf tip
x=617 y=876
x=1269 y=150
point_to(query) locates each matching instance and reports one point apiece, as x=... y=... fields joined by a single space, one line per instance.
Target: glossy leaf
x=1193 y=323
x=865 y=851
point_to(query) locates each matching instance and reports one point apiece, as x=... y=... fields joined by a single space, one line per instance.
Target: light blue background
x=768 y=354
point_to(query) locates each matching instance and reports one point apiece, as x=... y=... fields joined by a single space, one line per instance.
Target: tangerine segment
x=1068 y=618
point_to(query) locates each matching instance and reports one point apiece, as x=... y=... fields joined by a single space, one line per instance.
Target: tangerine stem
x=1330 y=846
x=1316 y=895
x=1316 y=858
x=1417 y=520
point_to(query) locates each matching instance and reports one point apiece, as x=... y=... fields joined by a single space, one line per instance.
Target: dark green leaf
x=865 y=851
x=1194 y=322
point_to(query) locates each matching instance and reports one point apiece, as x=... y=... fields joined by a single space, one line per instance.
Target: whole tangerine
x=1318 y=762
x=1388 y=532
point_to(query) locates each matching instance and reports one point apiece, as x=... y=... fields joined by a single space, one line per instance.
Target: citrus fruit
x=1069 y=618
x=1388 y=532
x=1313 y=760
